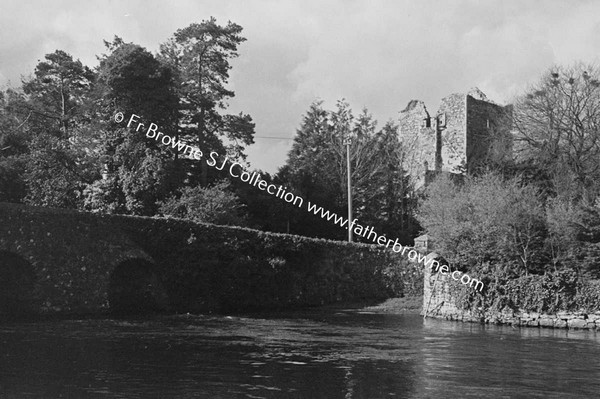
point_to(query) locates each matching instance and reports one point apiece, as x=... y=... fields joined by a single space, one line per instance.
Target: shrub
x=487 y=219
x=215 y=204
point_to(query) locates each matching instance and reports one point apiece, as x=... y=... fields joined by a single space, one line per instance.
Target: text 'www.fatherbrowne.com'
x=237 y=171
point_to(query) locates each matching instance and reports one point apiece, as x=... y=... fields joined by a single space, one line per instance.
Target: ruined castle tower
x=467 y=133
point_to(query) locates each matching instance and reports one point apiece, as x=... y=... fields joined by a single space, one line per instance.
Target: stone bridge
x=63 y=261
x=54 y=260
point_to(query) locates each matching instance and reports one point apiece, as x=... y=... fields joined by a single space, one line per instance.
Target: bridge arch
x=17 y=285
x=134 y=287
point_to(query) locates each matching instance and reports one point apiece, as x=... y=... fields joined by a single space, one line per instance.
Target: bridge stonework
x=79 y=259
x=71 y=256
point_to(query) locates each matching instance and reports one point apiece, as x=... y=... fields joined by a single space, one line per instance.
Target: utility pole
x=347 y=142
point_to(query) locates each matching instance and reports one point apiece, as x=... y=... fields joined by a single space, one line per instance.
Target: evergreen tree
x=317 y=170
x=200 y=55
x=135 y=172
x=57 y=99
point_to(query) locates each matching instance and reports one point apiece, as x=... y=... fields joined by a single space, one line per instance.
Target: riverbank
x=405 y=305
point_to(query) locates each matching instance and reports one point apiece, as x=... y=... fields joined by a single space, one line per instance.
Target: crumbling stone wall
x=419 y=140
x=454 y=135
x=468 y=132
x=488 y=133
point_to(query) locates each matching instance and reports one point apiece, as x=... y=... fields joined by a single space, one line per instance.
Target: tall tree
x=135 y=172
x=58 y=92
x=317 y=170
x=558 y=129
x=57 y=98
x=133 y=80
x=311 y=159
x=311 y=171
x=200 y=54
x=361 y=133
x=14 y=145
x=391 y=200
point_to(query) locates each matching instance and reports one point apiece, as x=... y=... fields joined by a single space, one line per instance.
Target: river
x=321 y=353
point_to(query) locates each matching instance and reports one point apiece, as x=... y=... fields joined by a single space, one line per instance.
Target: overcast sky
x=378 y=54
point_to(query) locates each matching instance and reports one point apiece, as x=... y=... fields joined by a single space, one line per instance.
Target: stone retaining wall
x=439 y=302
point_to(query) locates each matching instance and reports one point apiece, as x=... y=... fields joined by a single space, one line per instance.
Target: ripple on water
x=301 y=354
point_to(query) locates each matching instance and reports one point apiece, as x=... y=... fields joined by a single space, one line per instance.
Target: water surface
x=306 y=354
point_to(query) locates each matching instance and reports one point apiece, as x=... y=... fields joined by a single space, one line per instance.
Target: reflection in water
x=511 y=362
x=311 y=354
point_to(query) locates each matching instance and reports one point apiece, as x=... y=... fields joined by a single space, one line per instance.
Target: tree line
x=60 y=147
